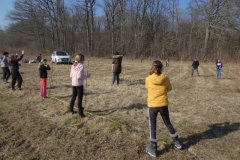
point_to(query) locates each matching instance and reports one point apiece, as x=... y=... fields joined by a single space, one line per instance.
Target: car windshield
x=61 y=53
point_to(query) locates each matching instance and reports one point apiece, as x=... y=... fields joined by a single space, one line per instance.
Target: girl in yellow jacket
x=157 y=85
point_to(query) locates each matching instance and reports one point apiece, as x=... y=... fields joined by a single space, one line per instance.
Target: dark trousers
x=152 y=118
x=115 y=78
x=196 y=70
x=77 y=91
x=16 y=76
x=6 y=73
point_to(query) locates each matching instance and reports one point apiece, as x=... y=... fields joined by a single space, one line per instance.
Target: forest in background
x=207 y=29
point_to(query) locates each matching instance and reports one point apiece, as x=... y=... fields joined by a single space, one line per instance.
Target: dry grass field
x=204 y=110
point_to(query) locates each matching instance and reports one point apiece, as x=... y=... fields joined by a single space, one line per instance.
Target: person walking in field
x=78 y=76
x=167 y=62
x=157 y=85
x=219 y=66
x=5 y=67
x=15 y=70
x=39 y=58
x=116 y=67
x=195 y=65
x=43 y=67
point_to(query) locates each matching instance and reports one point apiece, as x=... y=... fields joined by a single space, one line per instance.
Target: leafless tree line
x=206 y=29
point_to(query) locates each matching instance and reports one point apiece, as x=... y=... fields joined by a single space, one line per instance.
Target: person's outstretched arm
x=18 y=59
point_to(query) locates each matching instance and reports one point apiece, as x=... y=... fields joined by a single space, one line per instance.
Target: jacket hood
x=117 y=56
x=157 y=79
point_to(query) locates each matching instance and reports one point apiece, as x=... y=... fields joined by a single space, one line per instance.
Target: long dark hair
x=156 y=67
x=12 y=58
x=5 y=53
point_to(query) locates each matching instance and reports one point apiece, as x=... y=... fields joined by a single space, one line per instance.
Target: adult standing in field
x=5 y=67
x=116 y=67
x=78 y=76
x=157 y=85
x=195 y=65
x=15 y=70
x=167 y=62
x=39 y=58
x=219 y=66
x=43 y=68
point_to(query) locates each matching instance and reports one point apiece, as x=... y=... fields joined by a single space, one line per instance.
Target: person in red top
x=78 y=76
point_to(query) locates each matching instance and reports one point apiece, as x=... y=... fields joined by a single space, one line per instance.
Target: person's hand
x=22 y=51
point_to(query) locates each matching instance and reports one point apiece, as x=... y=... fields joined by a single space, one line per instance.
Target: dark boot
x=80 y=112
x=71 y=109
x=176 y=141
x=152 y=149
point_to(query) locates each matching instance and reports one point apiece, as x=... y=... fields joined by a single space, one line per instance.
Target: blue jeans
x=218 y=71
x=115 y=77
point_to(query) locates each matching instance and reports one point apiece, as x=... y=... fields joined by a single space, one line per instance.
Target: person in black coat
x=15 y=70
x=43 y=67
x=195 y=65
x=39 y=58
x=116 y=67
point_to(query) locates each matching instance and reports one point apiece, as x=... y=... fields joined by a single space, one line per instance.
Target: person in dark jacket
x=5 y=67
x=15 y=70
x=39 y=58
x=116 y=67
x=43 y=67
x=219 y=66
x=195 y=65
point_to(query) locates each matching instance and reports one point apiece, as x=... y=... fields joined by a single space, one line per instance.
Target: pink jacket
x=77 y=74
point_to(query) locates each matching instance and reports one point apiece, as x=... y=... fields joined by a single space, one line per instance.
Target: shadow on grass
x=217 y=130
x=54 y=87
x=206 y=76
x=228 y=78
x=133 y=82
x=110 y=111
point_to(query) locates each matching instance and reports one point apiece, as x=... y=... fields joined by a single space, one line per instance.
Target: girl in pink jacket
x=78 y=76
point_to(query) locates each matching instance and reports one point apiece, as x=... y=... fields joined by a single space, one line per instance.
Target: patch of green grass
x=228 y=148
x=32 y=158
x=117 y=124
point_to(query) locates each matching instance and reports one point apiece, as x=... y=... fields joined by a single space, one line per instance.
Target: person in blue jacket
x=5 y=67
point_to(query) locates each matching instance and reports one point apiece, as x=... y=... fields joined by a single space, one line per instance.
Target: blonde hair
x=79 y=58
x=42 y=63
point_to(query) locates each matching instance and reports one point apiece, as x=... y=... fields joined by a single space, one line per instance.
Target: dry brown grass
x=204 y=110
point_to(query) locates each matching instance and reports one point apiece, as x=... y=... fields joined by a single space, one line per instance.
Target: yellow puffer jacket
x=157 y=86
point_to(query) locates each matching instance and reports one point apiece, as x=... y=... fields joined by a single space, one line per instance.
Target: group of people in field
x=219 y=66
x=12 y=61
x=156 y=83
